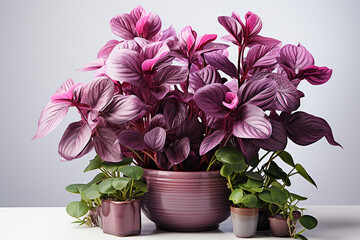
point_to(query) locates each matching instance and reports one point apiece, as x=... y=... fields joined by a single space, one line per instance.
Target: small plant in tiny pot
x=282 y=203
x=245 y=185
x=115 y=190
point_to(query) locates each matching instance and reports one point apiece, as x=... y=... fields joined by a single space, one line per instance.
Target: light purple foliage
x=158 y=96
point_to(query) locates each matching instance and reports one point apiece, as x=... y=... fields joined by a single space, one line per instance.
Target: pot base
x=187 y=229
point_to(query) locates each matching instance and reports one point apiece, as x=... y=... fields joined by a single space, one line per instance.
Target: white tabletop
x=53 y=223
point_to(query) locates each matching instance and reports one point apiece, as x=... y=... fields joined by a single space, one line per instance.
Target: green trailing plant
x=116 y=181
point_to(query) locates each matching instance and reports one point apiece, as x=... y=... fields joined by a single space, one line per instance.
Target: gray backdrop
x=44 y=42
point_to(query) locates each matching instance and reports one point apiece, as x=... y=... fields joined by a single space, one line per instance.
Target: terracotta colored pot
x=121 y=218
x=244 y=221
x=186 y=201
x=263 y=222
x=279 y=227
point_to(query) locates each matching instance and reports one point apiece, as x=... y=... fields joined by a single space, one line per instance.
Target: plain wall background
x=44 y=42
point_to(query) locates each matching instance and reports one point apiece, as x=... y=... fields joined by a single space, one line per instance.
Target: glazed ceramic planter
x=279 y=227
x=244 y=221
x=186 y=201
x=121 y=218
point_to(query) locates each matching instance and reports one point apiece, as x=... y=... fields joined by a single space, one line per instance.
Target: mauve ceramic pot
x=244 y=221
x=121 y=218
x=186 y=201
x=279 y=227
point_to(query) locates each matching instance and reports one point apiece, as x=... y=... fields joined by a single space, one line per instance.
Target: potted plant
x=282 y=203
x=245 y=185
x=114 y=193
x=171 y=100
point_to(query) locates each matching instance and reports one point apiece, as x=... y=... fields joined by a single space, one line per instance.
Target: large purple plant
x=169 y=101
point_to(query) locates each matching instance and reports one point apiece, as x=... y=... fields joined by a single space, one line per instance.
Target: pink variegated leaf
x=94 y=65
x=124 y=108
x=187 y=38
x=132 y=139
x=315 y=75
x=50 y=118
x=74 y=140
x=107 y=145
x=158 y=121
x=168 y=33
x=276 y=142
x=138 y=13
x=155 y=138
x=159 y=92
x=253 y=24
x=124 y=65
x=171 y=75
x=252 y=123
x=222 y=63
x=262 y=56
x=65 y=86
x=260 y=92
x=148 y=26
x=203 y=77
x=202 y=41
x=304 y=129
x=175 y=113
x=178 y=151
x=248 y=149
x=211 y=141
x=233 y=27
x=123 y=25
x=295 y=58
x=99 y=92
x=261 y=40
x=210 y=100
x=233 y=85
x=107 y=48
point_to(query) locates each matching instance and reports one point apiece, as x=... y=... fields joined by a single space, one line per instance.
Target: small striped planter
x=186 y=201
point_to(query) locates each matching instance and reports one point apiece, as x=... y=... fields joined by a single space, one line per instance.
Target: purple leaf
x=209 y=99
x=74 y=140
x=155 y=138
x=203 y=77
x=107 y=48
x=94 y=65
x=276 y=142
x=253 y=24
x=248 y=149
x=211 y=141
x=222 y=63
x=50 y=118
x=295 y=58
x=171 y=75
x=107 y=145
x=158 y=121
x=98 y=93
x=252 y=123
x=262 y=40
x=233 y=27
x=287 y=96
x=168 y=33
x=175 y=113
x=124 y=65
x=178 y=151
x=148 y=26
x=304 y=129
x=187 y=38
x=231 y=100
x=132 y=139
x=159 y=92
x=262 y=56
x=315 y=75
x=260 y=92
x=138 y=13
x=123 y=25
x=123 y=109
x=202 y=41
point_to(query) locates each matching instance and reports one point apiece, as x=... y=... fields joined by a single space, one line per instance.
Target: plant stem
x=212 y=161
x=131 y=188
x=133 y=151
x=229 y=183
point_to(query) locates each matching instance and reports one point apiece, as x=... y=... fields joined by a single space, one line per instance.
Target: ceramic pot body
x=279 y=227
x=244 y=221
x=263 y=222
x=186 y=201
x=121 y=218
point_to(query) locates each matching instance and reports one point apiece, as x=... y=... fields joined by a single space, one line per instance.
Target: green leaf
x=106 y=186
x=254 y=175
x=112 y=167
x=239 y=167
x=226 y=170
x=92 y=192
x=308 y=221
x=74 y=188
x=266 y=197
x=299 y=236
x=287 y=158
x=229 y=155
x=98 y=178
x=258 y=190
x=134 y=172
x=250 y=201
x=236 y=196
x=77 y=209
x=140 y=186
x=120 y=182
x=94 y=164
x=301 y=170
x=254 y=162
x=276 y=184
x=254 y=183
x=279 y=196
x=298 y=197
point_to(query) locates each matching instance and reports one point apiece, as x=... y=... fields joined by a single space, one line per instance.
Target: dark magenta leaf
x=222 y=63
x=123 y=25
x=132 y=139
x=211 y=141
x=277 y=141
x=98 y=93
x=155 y=138
x=262 y=56
x=233 y=27
x=316 y=75
x=203 y=77
x=178 y=151
x=107 y=145
x=175 y=113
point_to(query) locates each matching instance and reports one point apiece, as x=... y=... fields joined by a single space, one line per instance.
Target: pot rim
x=160 y=172
x=120 y=202
x=244 y=211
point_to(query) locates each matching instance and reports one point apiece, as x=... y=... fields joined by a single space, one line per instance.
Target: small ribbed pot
x=279 y=227
x=244 y=221
x=121 y=218
x=186 y=201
